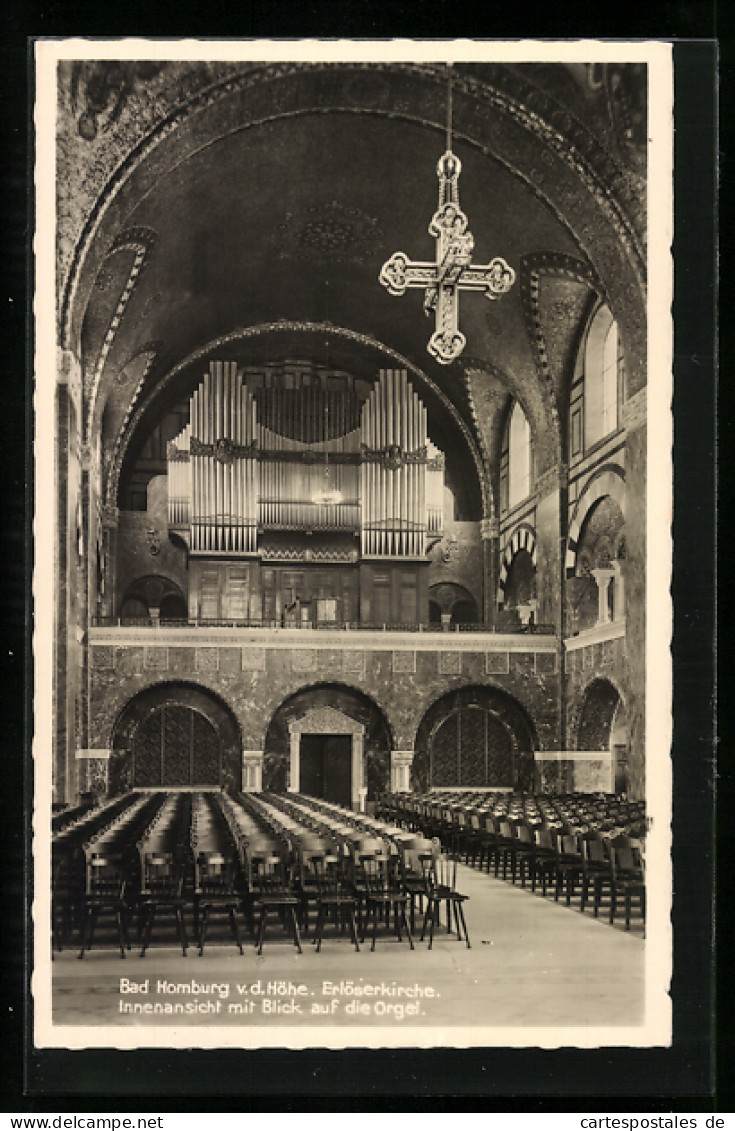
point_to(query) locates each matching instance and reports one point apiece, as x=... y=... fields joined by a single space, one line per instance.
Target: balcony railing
x=307 y=626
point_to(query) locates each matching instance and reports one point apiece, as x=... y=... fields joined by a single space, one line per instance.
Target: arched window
x=601 y=377
x=516 y=471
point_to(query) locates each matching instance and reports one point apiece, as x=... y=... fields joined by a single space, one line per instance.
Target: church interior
x=350 y=536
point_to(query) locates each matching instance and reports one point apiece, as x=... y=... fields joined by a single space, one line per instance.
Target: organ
x=305 y=494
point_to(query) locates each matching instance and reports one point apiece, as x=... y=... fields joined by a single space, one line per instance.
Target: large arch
x=404 y=91
x=198 y=737
x=307 y=709
x=482 y=733
x=306 y=331
x=522 y=538
x=609 y=480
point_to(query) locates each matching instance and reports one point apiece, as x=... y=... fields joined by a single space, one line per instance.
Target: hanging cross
x=452 y=272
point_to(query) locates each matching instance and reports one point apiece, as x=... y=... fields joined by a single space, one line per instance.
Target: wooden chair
x=523 y=852
x=105 y=893
x=568 y=865
x=333 y=898
x=68 y=889
x=273 y=893
x=383 y=898
x=162 y=888
x=215 y=891
x=628 y=880
x=543 y=865
x=596 y=871
x=412 y=876
x=440 y=879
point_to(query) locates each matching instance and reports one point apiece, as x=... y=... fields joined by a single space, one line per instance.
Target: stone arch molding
x=409 y=92
x=522 y=538
x=274 y=328
x=609 y=481
x=326 y=720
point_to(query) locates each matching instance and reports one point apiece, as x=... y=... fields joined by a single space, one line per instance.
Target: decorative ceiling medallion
x=332 y=231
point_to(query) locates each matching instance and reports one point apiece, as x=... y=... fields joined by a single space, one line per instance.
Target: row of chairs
x=409 y=870
x=568 y=812
x=82 y=853
x=554 y=858
x=261 y=875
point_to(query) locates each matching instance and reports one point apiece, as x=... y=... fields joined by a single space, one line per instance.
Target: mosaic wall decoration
x=253 y=659
x=207 y=659
x=102 y=656
x=497 y=663
x=354 y=663
x=450 y=663
x=404 y=662
x=303 y=660
x=156 y=659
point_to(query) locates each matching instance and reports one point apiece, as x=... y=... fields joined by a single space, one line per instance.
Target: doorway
x=325 y=767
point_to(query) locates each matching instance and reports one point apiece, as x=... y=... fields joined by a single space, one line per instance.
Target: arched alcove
x=175 y=735
x=474 y=737
x=328 y=710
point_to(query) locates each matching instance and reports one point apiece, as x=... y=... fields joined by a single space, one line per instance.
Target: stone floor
x=532 y=963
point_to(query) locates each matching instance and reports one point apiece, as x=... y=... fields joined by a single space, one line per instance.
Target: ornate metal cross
x=452 y=272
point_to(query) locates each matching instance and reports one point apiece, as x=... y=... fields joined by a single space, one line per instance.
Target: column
x=106 y=595
x=603 y=577
x=359 y=789
x=619 y=593
x=400 y=771
x=252 y=771
x=294 y=775
x=490 y=549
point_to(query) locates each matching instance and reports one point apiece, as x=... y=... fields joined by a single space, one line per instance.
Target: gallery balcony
x=200 y=626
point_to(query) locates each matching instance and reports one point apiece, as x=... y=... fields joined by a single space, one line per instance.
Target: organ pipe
x=394 y=471
x=260 y=449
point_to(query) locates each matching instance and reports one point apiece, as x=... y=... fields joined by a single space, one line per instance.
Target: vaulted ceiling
x=245 y=212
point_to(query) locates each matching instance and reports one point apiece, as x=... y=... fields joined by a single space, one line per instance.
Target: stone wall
x=254 y=681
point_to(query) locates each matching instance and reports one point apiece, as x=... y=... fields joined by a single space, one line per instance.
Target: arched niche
x=474 y=737
x=173 y=736
x=357 y=726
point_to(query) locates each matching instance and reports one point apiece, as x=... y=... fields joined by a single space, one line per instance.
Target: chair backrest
x=568 y=844
x=624 y=860
x=272 y=874
x=329 y=874
x=162 y=874
x=105 y=876
x=594 y=850
x=214 y=873
x=544 y=838
x=375 y=873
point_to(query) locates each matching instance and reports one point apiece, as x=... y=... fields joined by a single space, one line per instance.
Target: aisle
x=532 y=963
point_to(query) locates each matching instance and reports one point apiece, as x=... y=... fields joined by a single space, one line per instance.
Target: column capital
x=489 y=528
x=109 y=516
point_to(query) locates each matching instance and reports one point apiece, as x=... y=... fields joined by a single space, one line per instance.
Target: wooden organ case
x=305 y=497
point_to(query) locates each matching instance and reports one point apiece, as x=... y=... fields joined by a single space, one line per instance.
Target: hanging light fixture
x=329 y=495
x=451 y=271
